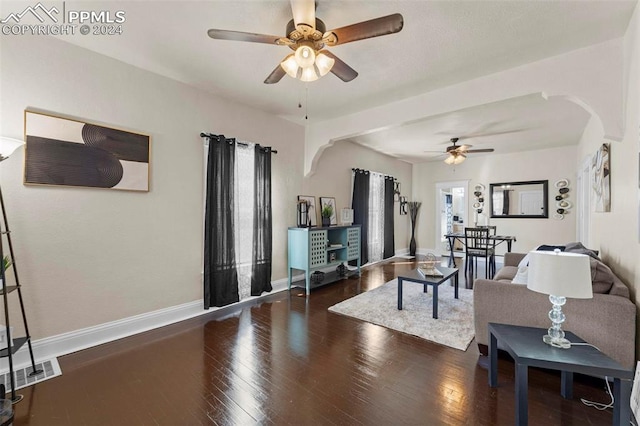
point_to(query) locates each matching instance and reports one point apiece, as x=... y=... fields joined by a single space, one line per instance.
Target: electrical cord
x=598 y=405
x=584 y=344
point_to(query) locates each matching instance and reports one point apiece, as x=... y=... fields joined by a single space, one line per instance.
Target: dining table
x=497 y=239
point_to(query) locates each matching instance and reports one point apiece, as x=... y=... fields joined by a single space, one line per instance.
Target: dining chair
x=478 y=245
x=492 y=232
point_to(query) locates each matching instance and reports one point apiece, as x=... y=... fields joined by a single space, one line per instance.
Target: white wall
x=547 y=164
x=89 y=256
x=615 y=233
x=333 y=179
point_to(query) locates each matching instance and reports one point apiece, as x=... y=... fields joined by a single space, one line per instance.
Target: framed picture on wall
x=601 y=172
x=311 y=205
x=67 y=152
x=330 y=202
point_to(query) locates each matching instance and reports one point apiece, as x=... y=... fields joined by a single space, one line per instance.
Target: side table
x=526 y=347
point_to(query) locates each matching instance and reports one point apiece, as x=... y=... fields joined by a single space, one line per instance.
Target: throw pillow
x=543 y=247
x=579 y=248
x=522 y=276
x=547 y=247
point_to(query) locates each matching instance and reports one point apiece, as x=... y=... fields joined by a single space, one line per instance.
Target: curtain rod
x=211 y=135
x=369 y=171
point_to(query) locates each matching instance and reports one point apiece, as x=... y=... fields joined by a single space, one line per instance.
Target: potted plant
x=326 y=213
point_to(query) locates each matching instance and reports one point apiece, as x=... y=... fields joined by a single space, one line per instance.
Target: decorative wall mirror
x=519 y=199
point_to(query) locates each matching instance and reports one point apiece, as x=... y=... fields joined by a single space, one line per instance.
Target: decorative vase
x=412 y=244
x=326 y=221
x=414 y=206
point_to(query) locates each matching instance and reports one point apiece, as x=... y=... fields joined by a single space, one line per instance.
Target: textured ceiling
x=442 y=43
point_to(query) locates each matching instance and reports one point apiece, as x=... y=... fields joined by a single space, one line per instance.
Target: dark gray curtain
x=360 y=206
x=261 y=268
x=505 y=201
x=389 y=235
x=220 y=273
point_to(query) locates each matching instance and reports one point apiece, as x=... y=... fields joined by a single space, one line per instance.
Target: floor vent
x=50 y=369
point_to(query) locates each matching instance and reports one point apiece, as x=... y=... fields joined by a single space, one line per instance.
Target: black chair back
x=492 y=229
x=476 y=241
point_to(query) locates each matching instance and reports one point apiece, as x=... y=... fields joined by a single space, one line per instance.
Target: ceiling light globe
x=324 y=63
x=309 y=74
x=305 y=56
x=290 y=66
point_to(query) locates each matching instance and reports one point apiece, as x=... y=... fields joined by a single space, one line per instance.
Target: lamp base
x=556 y=342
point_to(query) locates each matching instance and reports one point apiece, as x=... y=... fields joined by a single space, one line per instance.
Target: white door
x=531 y=203
x=459 y=207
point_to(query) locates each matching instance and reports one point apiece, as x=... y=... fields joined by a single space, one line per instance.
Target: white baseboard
x=73 y=341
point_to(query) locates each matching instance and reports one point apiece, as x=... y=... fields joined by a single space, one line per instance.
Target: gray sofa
x=607 y=321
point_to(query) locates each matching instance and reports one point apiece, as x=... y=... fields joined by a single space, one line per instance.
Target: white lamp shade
x=7 y=146
x=560 y=274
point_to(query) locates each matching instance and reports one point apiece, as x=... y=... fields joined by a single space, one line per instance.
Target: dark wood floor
x=288 y=360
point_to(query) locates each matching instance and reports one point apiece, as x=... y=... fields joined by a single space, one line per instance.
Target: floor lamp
x=7 y=147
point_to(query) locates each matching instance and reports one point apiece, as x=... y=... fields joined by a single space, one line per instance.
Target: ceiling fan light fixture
x=324 y=63
x=309 y=74
x=459 y=159
x=455 y=159
x=290 y=66
x=305 y=56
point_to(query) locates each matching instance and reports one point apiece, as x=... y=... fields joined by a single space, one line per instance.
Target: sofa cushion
x=522 y=276
x=506 y=273
x=602 y=277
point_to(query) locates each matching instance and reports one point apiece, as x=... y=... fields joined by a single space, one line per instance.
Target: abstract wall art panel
x=67 y=152
x=601 y=172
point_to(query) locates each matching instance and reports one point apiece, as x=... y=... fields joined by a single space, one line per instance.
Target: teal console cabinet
x=311 y=249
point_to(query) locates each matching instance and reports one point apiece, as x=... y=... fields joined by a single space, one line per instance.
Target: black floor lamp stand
x=10 y=350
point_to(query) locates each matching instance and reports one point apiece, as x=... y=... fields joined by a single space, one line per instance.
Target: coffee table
x=427 y=280
x=526 y=347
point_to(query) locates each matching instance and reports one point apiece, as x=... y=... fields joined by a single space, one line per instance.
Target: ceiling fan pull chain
x=306 y=102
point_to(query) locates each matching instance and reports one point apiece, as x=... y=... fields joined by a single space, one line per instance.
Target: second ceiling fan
x=456 y=154
x=306 y=35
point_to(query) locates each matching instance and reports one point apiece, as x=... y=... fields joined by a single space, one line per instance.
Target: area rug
x=454 y=326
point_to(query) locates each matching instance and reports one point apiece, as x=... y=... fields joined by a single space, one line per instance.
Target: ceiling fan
x=306 y=35
x=456 y=154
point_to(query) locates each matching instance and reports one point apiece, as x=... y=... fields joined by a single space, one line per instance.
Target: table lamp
x=560 y=275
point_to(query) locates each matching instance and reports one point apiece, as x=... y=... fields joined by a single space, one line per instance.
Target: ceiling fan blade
x=375 y=27
x=343 y=71
x=275 y=76
x=304 y=13
x=479 y=150
x=242 y=36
